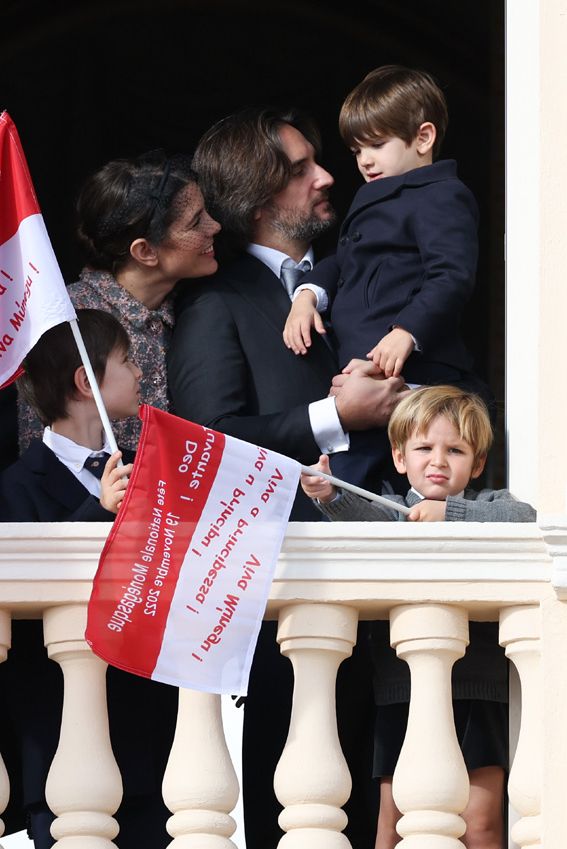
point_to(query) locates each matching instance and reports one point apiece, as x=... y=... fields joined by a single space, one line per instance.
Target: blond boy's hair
x=466 y=412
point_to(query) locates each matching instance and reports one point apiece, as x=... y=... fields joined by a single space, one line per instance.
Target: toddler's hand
x=428 y=511
x=366 y=367
x=114 y=482
x=316 y=487
x=302 y=317
x=392 y=351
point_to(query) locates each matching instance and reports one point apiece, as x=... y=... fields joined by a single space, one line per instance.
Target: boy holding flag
x=66 y=477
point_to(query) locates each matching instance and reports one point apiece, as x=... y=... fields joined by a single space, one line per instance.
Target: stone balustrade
x=429 y=579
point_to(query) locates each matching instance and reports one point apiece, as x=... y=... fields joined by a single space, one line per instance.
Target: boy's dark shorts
x=482 y=732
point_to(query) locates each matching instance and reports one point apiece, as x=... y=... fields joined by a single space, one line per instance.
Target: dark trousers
x=33 y=688
x=266 y=723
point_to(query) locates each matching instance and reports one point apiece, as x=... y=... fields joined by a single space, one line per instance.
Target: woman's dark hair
x=241 y=165
x=49 y=380
x=129 y=199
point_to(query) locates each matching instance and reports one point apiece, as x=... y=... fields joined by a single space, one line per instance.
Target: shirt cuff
x=416 y=345
x=326 y=427
x=336 y=499
x=320 y=294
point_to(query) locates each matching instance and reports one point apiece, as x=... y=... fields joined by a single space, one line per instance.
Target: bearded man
x=230 y=370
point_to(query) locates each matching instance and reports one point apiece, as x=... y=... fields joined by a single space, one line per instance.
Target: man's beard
x=301 y=226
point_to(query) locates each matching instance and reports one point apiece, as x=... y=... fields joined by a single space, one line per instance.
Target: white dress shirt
x=323 y=416
x=274 y=258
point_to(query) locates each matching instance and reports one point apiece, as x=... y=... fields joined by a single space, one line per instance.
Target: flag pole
x=365 y=493
x=107 y=427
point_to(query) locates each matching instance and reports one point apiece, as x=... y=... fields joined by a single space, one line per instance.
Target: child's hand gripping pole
x=371 y=496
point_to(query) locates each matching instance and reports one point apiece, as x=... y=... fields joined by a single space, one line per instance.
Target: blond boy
x=440 y=437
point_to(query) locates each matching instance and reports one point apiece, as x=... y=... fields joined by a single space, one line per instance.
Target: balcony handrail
x=340 y=562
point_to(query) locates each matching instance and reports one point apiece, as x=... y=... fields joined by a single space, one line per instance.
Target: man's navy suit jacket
x=230 y=370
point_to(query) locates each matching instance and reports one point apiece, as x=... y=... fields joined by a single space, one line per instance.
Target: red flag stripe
x=18 y=196
x=134 y=552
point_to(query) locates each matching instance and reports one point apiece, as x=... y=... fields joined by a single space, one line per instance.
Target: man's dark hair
x=393 y=101
x=241 y=165
x=49 y=380
x=129 y=199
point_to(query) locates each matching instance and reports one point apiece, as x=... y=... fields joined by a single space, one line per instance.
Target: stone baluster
x=84 y=787
x=312 y=780
x=5 y=642
x=200 y=786
x=520 y=630
x=430 y=785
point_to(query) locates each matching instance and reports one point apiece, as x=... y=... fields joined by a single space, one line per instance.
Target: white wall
x=536 y=250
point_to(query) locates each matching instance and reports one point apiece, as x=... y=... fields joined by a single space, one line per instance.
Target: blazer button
x=343 y=240
x=356 y=237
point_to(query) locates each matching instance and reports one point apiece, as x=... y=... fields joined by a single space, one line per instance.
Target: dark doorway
x=89 y=81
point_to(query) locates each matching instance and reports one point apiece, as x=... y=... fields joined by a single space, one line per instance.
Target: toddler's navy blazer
x=406 y=255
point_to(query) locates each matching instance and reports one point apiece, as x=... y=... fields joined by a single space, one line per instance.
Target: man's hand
x=428 y=511
x=302 y=317
x=392 y=351
x=114 y=482
x=319 y=487
x=363 y=402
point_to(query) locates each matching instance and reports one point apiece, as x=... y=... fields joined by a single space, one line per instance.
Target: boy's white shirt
x=73 y=456
x=323 y=417
x=322 y=301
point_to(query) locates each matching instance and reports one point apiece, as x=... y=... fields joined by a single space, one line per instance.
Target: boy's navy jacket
x=407 y=256
x=39 y=488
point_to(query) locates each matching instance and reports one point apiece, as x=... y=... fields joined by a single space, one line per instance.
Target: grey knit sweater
x=488 y=505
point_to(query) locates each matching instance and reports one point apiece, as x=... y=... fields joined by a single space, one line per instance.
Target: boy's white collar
x=421 y=498
x=70 y=452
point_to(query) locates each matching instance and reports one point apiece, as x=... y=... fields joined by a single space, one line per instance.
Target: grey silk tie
x=291 y=273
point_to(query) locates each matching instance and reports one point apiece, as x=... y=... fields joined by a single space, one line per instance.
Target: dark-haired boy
x=60 y=477
x=66 y=477
x=406 y=257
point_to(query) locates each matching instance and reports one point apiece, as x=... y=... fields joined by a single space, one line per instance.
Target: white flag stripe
x=228 y=614
x=33 y=296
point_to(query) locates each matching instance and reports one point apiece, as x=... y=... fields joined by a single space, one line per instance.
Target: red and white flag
x=33 y=296
x=185 y=574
